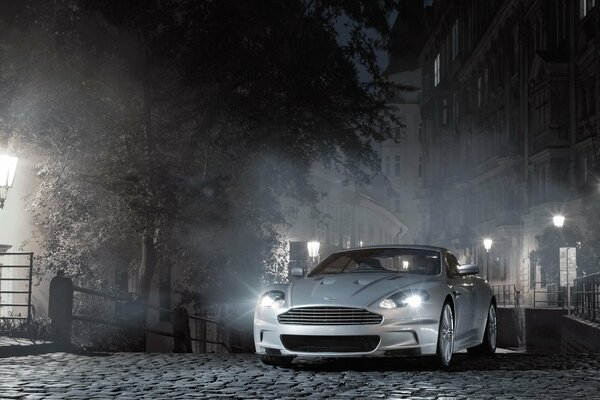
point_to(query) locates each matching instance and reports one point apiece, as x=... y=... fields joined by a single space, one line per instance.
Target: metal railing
x=506 y=295
x=586 y=297
x=549 y=295
x=131 y=314
x=18 y=299
x=223 y=330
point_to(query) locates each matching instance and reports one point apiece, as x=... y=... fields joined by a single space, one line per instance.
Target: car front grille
x=330 y=344
x=329 y=316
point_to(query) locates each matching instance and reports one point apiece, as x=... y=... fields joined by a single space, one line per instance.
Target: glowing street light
x=8 y=166
x=558 y=220
x=487 y=244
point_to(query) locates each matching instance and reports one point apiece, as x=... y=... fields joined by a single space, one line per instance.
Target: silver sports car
x=378 y=301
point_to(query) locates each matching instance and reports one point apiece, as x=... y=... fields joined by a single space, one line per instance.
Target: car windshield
x=390 y=260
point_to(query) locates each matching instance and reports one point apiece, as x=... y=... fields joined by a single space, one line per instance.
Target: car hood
x=354 y=290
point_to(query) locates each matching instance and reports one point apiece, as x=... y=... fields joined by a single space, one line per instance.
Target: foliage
x=178 y=126
x=37 y=329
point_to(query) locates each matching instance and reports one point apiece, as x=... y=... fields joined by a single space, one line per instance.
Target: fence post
x=182 y=340
x=60 y=307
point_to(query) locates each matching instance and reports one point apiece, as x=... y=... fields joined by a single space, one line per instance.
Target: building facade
x=401 y=155
x=350 y=216
x=509 y=125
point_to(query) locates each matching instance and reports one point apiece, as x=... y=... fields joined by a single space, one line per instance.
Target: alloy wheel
x=447 y=335
x=492 y=327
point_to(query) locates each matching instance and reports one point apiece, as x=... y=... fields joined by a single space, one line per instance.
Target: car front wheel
x=445 y=344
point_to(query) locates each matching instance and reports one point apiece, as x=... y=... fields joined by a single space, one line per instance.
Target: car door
x=463 y=294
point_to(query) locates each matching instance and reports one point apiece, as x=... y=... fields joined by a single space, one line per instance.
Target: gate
x=15 y=291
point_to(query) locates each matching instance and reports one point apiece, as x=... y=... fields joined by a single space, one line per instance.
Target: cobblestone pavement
x=155 y=376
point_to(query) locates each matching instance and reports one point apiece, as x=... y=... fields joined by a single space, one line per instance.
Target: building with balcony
x=509 y=112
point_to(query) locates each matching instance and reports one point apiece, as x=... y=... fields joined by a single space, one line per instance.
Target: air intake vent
x=330 y=344
x=329 y=316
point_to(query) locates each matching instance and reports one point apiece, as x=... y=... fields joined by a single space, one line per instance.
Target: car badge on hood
x=328 y=298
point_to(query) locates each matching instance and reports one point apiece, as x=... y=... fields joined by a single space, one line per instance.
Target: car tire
x=490 y=336
x=276 y=361
x=445 y=342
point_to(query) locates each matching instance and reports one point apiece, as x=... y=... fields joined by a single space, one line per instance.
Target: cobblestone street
x=154 y=376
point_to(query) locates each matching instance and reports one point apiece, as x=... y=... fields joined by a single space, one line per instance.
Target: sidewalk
x=14 y=346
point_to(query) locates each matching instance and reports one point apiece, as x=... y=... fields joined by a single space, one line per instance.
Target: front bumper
x=402 y=332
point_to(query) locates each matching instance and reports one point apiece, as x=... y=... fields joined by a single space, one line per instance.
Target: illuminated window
x=585 y=6
x=455 y=39
x=436 y=70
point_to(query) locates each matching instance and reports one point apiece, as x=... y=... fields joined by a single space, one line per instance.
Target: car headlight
x=413 y=298
x=272 y=298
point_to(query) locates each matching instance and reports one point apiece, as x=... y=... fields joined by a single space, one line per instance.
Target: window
x=479 y=92
x=500 y=68
x=585 y=6
x=436 y=70
x=400 y=134
x=515 y=60
x=455 y=107
x=444 y=111
x=486 y=83
x=455 y=39
x=397 y=165
x=561 y=15
x=543 y=173
x=387 y=166
x=539 y=36
x=541 y=106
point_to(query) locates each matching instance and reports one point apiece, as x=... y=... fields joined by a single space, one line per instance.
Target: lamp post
x=487 y=243
x=559 y=221
x=8 y=165
x=313 y=251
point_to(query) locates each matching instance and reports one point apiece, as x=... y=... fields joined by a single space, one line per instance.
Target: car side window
x=451 y=265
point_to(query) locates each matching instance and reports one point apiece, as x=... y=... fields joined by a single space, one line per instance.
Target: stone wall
x=579 y=336
x=509 y=331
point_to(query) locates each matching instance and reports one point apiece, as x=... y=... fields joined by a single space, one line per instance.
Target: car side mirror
x=297 y=272
x=469 y=269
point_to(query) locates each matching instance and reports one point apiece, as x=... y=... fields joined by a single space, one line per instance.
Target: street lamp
x=8 y=165
x=559 y=221
x=313 y=250
x=487 y=243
